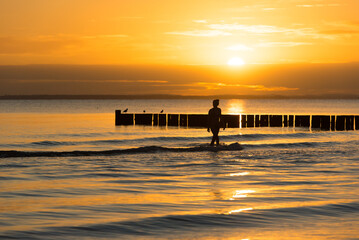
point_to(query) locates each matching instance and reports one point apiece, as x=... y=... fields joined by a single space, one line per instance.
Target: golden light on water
x=239 y=174
x=240 y=210
x=241 y=194
x=234 y=107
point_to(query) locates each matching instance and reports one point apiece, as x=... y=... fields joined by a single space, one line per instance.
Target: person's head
x=215 y=103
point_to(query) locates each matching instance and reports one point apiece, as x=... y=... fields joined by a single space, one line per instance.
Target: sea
x=67 y=172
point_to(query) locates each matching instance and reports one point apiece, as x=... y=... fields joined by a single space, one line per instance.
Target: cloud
x=250 y=8
x=47 y=44
x=201 y=33
x=341 y=28
x=269 y=9
x=90 y=81
x=340 y=32
x=38 y=44
x=248 y=28
x=214 y=86
x=106 y=36
x=283 y=44
x=262 y=29
x=270 y=29
x=273 y=89
x=132 y=17
x=239 y=47
x=200 y=21
x=242 y=18
x=318 y=5
x=201 y=80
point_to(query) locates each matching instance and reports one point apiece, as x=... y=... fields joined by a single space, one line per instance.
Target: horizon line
x=151 y=64
x=167 y=96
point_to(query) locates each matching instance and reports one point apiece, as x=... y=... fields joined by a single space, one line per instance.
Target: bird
x=125 y=110
x=161 y=111
x=144 y=111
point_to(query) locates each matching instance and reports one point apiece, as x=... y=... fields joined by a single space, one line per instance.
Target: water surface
x=144 y=182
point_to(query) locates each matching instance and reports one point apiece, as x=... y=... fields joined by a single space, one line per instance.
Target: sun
x=236 y=61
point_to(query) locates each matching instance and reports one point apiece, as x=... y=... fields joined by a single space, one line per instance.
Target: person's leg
x=215 y=137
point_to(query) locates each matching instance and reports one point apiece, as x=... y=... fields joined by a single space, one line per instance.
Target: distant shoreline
x=164 y=96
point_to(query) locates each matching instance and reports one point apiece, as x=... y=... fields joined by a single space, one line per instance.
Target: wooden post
x=162 y=119
x=275 y=120
x=250 y=121
x=302 y=121
x=117 y=117
x=316 y=121
x=230 y=121
x=244 y=121
x=285 y=121
x=126 y=119
x=173 y=120
x=264 y=121
x=256 y=121
x=349 y=123
x=333 y=123
x=340 y=123
x=143 y=119
x=329 y=122
x=183 y=120
x=320 y=121
x=325 y=123
x=155 y=119
x=198 y=120
x=291 y=121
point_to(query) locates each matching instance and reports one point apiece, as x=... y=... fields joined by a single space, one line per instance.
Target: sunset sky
x=290 y=35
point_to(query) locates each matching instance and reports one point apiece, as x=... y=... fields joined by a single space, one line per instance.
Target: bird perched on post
x=125 y=110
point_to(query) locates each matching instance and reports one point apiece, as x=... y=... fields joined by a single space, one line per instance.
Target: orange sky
x=195 y=32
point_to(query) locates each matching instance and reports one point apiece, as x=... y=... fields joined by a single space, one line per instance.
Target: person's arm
x=221 y=119
x=208 y=120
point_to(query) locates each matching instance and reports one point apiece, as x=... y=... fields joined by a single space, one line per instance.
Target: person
x=214 y=121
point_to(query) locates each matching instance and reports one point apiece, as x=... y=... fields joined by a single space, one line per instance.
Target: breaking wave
x=147 y=149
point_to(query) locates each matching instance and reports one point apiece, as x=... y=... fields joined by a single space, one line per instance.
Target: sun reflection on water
x=234 y=107
x=240 y=210
x=239 y=174
x=241 y=194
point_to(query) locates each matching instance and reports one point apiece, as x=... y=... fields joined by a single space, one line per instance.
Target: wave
x=168 y=224
x=52 y=143
x=229 y=138
x=289 y=145
x=147 y=149
x=158 y=149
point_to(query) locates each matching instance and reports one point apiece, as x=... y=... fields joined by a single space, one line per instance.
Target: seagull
x=161 y=111
x=125 y=110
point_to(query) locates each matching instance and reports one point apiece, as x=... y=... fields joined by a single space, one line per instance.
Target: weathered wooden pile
x=324 y=122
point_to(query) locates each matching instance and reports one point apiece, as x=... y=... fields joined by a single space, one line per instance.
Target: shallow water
x=67 y=175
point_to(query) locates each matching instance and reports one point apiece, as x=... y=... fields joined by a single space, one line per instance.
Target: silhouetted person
x=125 y=110
x=161 y=111
x=214 y=121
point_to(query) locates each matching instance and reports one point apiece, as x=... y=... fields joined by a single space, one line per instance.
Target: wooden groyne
x=323 y=122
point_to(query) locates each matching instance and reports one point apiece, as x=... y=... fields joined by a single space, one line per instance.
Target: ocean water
x=67 y=172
